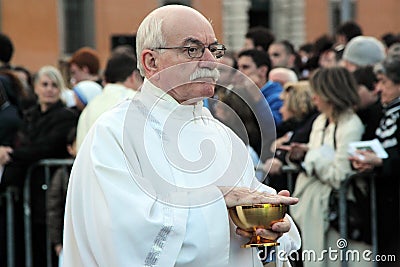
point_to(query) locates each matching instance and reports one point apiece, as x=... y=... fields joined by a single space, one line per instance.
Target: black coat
x=10 y=122
x=45 y=133
x=370 y=117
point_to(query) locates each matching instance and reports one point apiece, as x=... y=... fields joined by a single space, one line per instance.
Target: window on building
x=336 y=11
x=77 y=24
x=176 y=2
x=259 y=13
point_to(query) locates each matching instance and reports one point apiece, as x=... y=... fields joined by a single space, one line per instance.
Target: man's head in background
x=84 y=65
x=122 y=68
x=363 y=51
x=258 y=38
x=6 y=50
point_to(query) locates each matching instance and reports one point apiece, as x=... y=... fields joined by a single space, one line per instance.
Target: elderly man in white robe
x=153 y=179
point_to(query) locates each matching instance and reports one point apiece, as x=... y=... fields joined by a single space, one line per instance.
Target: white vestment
x=143 y=189
x=112 y=94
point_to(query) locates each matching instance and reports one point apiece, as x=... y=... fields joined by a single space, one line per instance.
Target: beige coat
x=325 y=168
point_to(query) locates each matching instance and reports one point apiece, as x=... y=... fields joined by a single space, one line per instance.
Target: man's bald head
x=177 y=52
x=158 y=26
x=282 y=75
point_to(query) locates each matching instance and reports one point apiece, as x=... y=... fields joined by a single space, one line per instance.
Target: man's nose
x=208 y=60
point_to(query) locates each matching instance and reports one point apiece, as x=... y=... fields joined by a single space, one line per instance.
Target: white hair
x=54 y=75
x=149 y=35
x=205 y=73
x=285 y=74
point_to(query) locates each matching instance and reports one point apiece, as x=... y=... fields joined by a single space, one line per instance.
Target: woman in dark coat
x=44 y=135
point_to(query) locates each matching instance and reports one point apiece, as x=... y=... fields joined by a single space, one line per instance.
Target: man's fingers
x=271 y=235
x=282 y=227
x=284 y=193
x=242 y=232
x=262 y=198
x=245 y=196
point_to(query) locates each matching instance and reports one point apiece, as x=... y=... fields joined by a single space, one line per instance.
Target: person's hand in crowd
x=273 y=166
x=280 y=141
x=57 y=249
x=277 y=230
x=5 y=152
x=235 y=196
x=365 y=161
x=296 y=151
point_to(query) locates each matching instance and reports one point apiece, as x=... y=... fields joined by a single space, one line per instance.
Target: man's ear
x=263 y=70
x=149 y=60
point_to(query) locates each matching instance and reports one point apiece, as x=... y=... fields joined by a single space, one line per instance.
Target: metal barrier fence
x=290 y=170
x=9 y=195
x=46 y=164
x=343 y=214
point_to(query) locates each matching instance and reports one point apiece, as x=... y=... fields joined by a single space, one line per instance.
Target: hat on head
x=364 y=51
x=86 y=91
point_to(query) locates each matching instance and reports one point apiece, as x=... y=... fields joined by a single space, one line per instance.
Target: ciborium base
x=257 y=241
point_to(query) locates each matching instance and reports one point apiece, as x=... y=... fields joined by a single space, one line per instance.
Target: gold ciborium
x=252 y=217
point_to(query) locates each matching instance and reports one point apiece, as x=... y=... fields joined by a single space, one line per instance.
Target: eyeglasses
x=197 y=50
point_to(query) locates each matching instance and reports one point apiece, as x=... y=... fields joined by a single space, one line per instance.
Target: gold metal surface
x=252 y=217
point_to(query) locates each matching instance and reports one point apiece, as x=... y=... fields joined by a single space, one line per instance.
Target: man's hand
x=296 y=151
x=277 y=229
x=235 y=196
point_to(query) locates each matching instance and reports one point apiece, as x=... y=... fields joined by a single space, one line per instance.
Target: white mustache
x=205 y=73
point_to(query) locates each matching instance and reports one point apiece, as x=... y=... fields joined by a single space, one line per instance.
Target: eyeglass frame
x=200 y=45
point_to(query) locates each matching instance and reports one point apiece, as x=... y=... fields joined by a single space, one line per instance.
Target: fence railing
x=291 y=170
x=343 y=214
x=46 y=164
x=9 y=196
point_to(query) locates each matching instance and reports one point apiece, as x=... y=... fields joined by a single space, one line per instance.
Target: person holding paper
x=325 y=163
x=386 y=169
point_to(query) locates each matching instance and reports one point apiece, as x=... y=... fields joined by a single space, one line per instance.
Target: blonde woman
x=298 y=114
x=43 y=135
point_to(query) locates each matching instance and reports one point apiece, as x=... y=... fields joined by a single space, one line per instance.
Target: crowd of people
x=43 y=118
x=273 y=106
